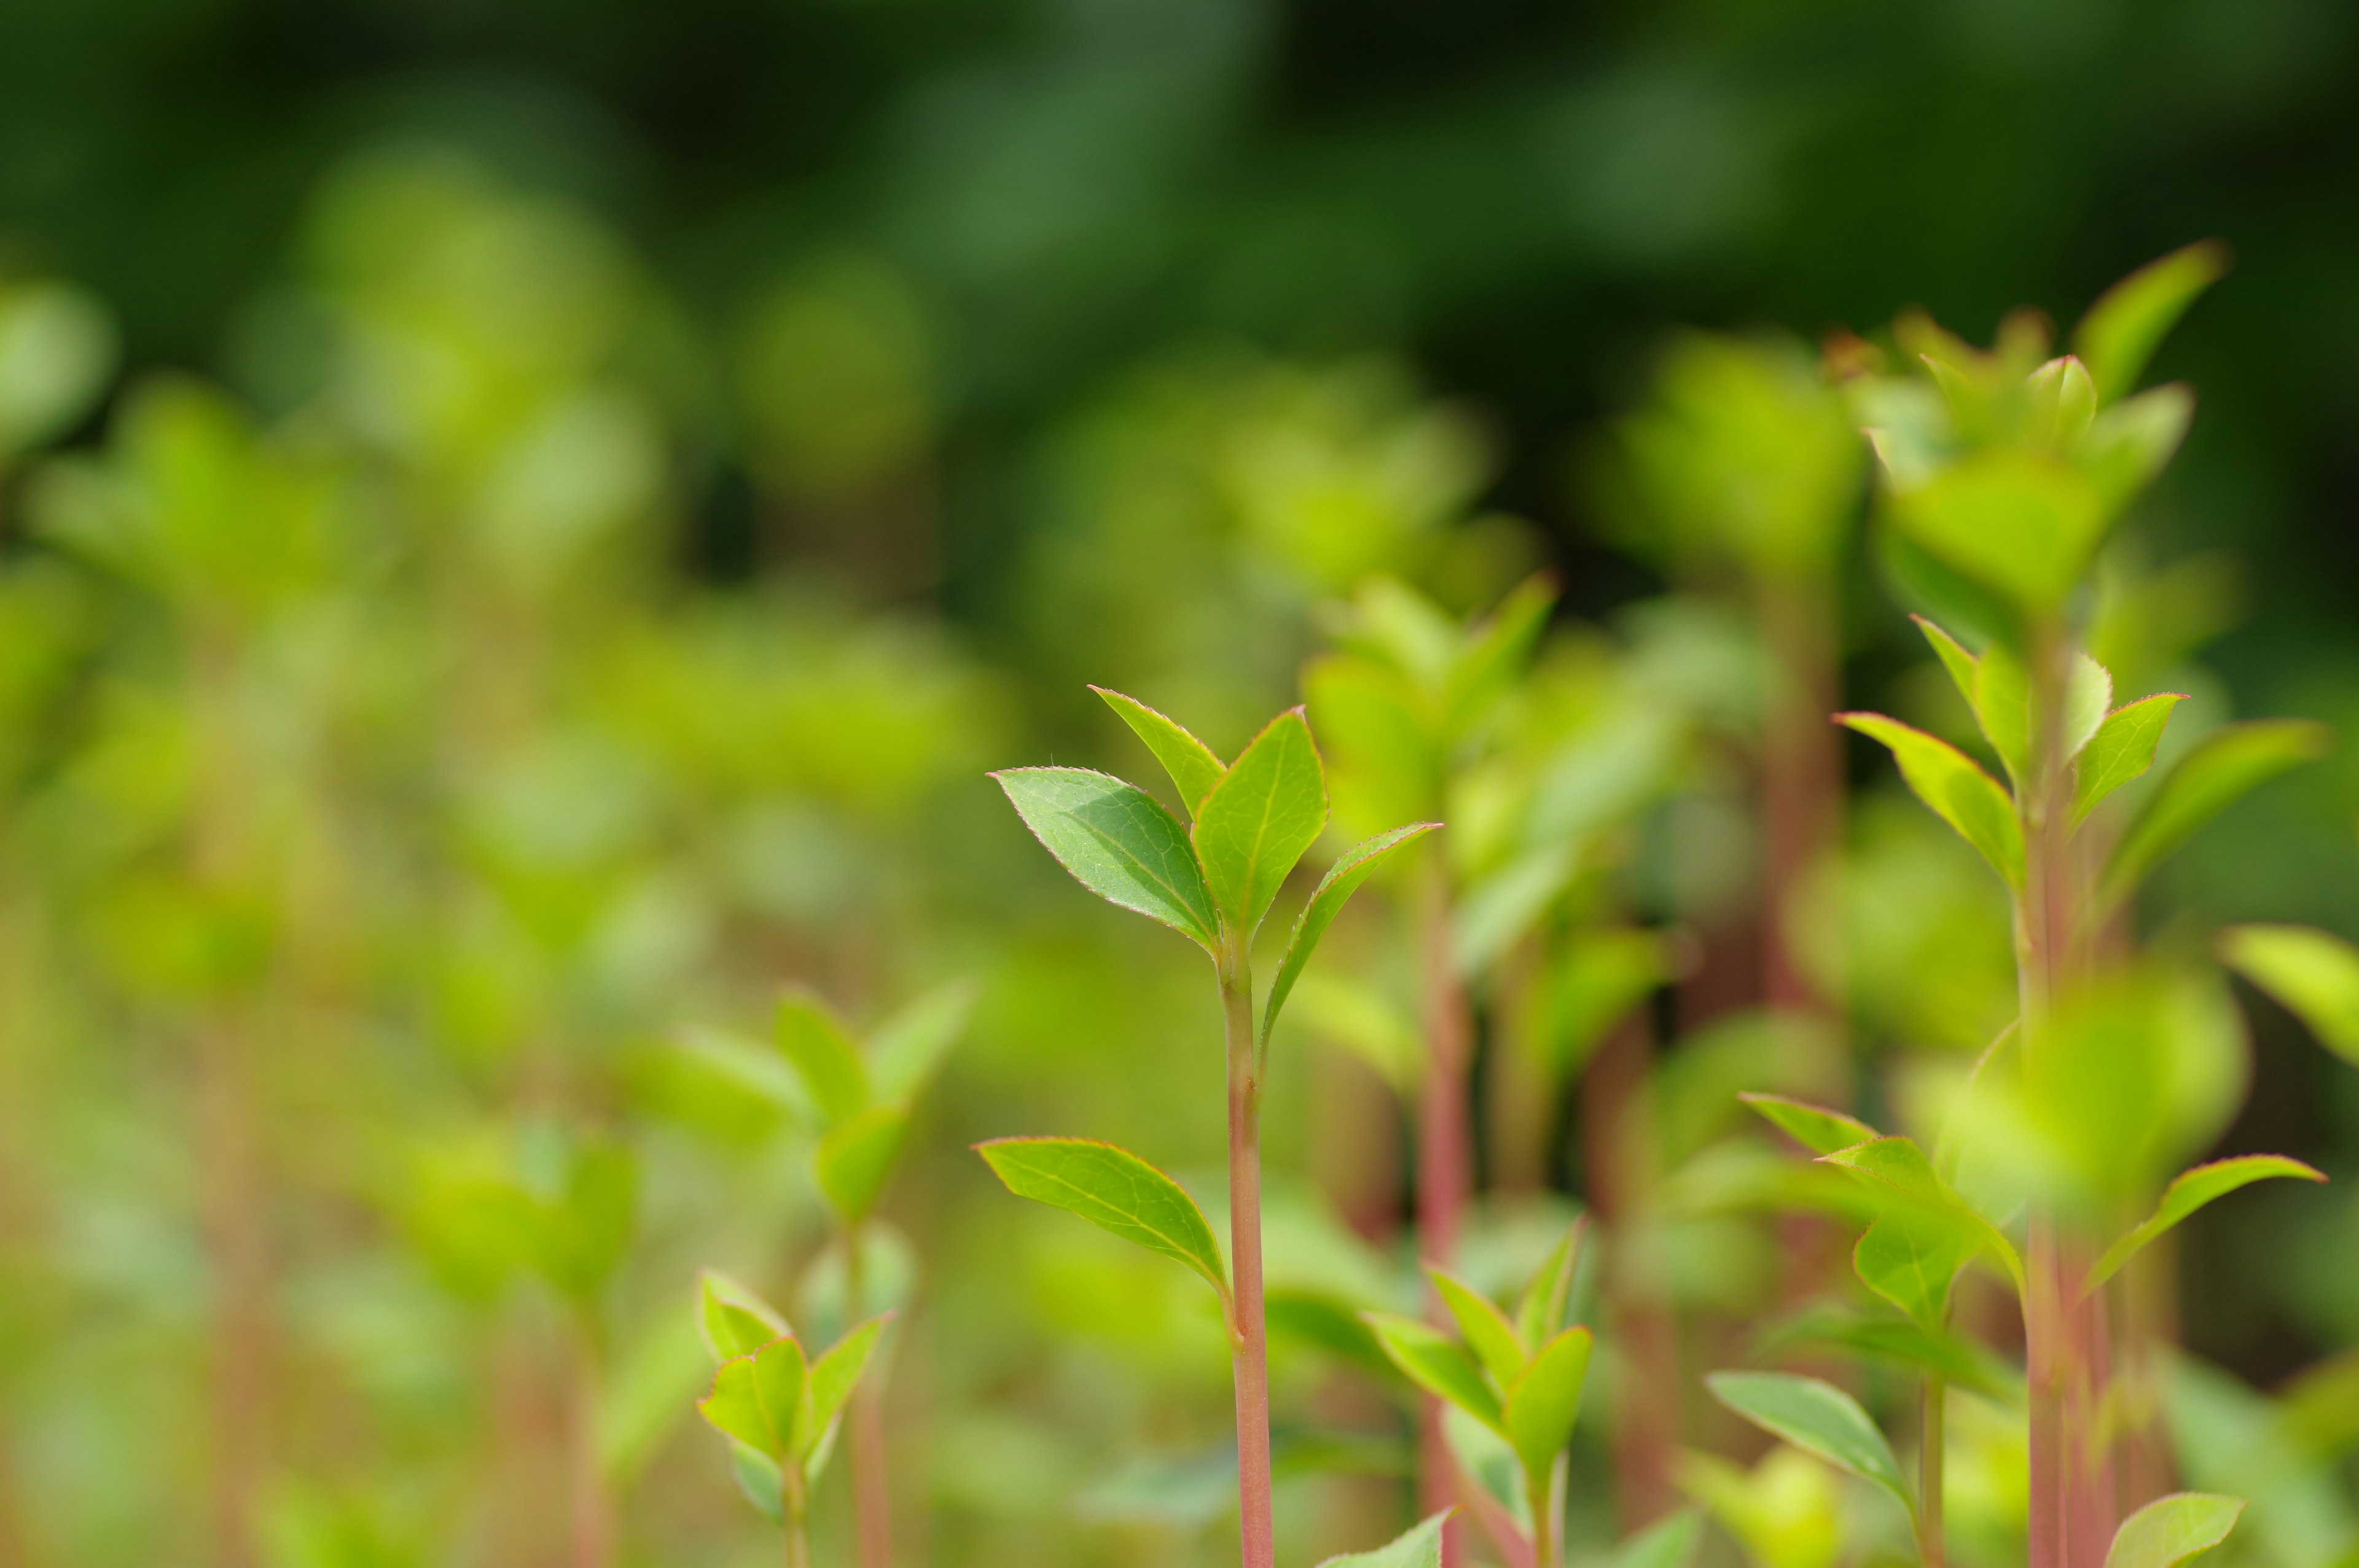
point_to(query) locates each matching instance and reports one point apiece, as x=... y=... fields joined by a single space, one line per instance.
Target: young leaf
x=1543 y=1402
x=1420 y=1547
x=1911 y=1257
x=1963 y=667
x=814 y=1040
x=732 y=1319
x=1115 y=1190
x=1542 y=1306
x=2226 y=763
x=2121 y=749
x=1334 y=889
x=1118 y=843
x=1486 y=1328
x=829 y=1383
x=2191 y=1191
x=2003 y=708
x=1438 y=1365
x=1666 y=1543
x=758 y=1477
x=1194 y=767
x=2128 y=321
x=1817 y=1418
x=2313 y=972
x=2088 y=694
x=1965 y=797
x=754 y=1398
x=1898 y=1167
x=1257 y=821
x=2019 y=522
x=2168 y=1530
x=907 y=1048
x=854 y=1160
x=1814 y=1126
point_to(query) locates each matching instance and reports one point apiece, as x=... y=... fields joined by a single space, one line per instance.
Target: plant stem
x=795 y=1503
x=1801 y=773
x=1539 y=1496
x=591 y=1531
x=1444 y=1163
x=1251 y=1358
x=1930 y=1545
x=872 y=1501
x=1616 y=1123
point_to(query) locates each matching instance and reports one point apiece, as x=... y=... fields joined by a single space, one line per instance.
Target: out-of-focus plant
x=1213 y=881
x=57 y=350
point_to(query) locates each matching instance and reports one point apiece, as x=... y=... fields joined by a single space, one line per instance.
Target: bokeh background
x=522 y=527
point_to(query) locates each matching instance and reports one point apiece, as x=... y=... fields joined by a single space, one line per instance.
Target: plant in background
x=1212 y=881
x=776 y=1404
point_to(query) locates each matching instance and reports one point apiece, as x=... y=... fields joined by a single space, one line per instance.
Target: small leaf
x=1666 y=1543
x=1898 y=1167
x=1963 y=667
x=759 y=1479
x=1420 y=1547
x=1542 y=1306
x=1961 y=794
x=1818 y=1418
x=2230 y=761
x=1257 y=821
x=1544 y=1401
x=755 y=1397
x=2088 y=694
x=732 y=1320
x=2003 y=708
x=2121 y=749
x=1113 y=1190
x=1438 y=1365
x=1334 y=889
x=2129 y=320
x=2170 y=1530
x=812 y=1037
x=906 y=1050
x=854 y=1160
x=1486 y=1328
x=829 y=1383
x=1911 y=1257
x=1814 y=1126
x=2190 y=1191
x=1194 y=767
x=2020 y=522
x=1118 y=842
x=2313 y=972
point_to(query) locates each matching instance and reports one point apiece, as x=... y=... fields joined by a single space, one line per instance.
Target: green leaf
x=2127 y=323
x=2003 y=708
x=1419 y=1548
x=854 y=1160
x=1814 y=1126
x=1118 y=842
x=831 y=1382
x=1911 y=1257
x=2170 y=1530
x=1964 y=667
x=1494 y=652
x=754 y=1398
x=1194 y=767
x=1542 y=1306
x=1959 y=1360
x=1113 y=1190
x=732 y=1320
x=2088 y=694
x=1486 y=1330
x=906 y=1050
x=1327 y=900
x=1961 y=794
x=1818 y=1418
x=1544 y=1401
x=1666 y=1543
x=1898 y=1167
x=759 y=1478
x=1326 y=1323
x=2121 y=749
x=1257 y=821
x=2190 y=1191
x=1438 y=1365
x=2019 y=522
x=2313 y=972
x=2230 y=761
x=811 y=1036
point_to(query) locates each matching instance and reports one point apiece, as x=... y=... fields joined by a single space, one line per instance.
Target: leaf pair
x=863 y=1099
x=777 y=1407
x=1518 y=1376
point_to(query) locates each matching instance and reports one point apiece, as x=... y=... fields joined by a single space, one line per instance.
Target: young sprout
x=1213 y=881
x=777 y=1405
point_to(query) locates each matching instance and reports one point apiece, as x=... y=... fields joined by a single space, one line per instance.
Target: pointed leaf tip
x=1327 y=900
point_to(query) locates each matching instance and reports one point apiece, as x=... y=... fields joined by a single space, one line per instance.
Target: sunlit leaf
x=732 y=1319
x=1898 y=1167
x=1259 y=819
x=1194 y=767
x=2191 y=1191
x=1818 y=1418
x=2225 y=764
x=1961 y=794
x=2171 y=1530
x=1118 y=843
x=1963 y=667
x=1334 y=889
x=1814 y=1126
x=1115 y=1190
x=2023 y=523
x=1486 y=1330
x=2315 y=973
x=813 y=1039
x=2002 y=698
x=2122 y=748
x=1911 y=1256
x=754 y=1398
x=829 y=1382
x=2088 y=696
x=907 y=1049
x=1419 y=1546
x=2129 y=320
x=1438 y=1365
x=855 y=1158
x=1543 y=1402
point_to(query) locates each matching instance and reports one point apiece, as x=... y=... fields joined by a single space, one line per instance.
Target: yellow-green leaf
x=1118 y=842
x=2313 y=972
x=2127 y=323
x=1327 y=900
x=732 y=1319
x=829 y=1382
x=1113 y=1190
x=1255 y=823
x=1960 y=793
x=2121 y=749
x=1194 y=767
x=812 y=1038
x=1911 y=1256
x=1544 y=1401
x=1438 y=1365
x=1486 y=1328
x=2190 y=1191
x=1814 y=1126
x=755 y=1397
x=1418 y=1547
x=855 y=1158
x=2231 y=761
x=2171 y=1530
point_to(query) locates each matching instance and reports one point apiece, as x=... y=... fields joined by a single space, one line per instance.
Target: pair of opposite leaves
x=775 y=1404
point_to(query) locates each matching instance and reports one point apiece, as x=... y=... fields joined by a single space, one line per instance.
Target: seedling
x=1213 y=881
x=777 y=1405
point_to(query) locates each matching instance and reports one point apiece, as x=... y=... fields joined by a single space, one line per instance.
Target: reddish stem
x=1250 y=1361
x=1616 y=1121
x=871 y=1497
x=1801 y=774
x=1444 y=1168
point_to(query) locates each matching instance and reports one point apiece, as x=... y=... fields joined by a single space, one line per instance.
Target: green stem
x=795 y=1503
x=1931 y=1544
x=1539 y=1496
x=1251 y=1357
